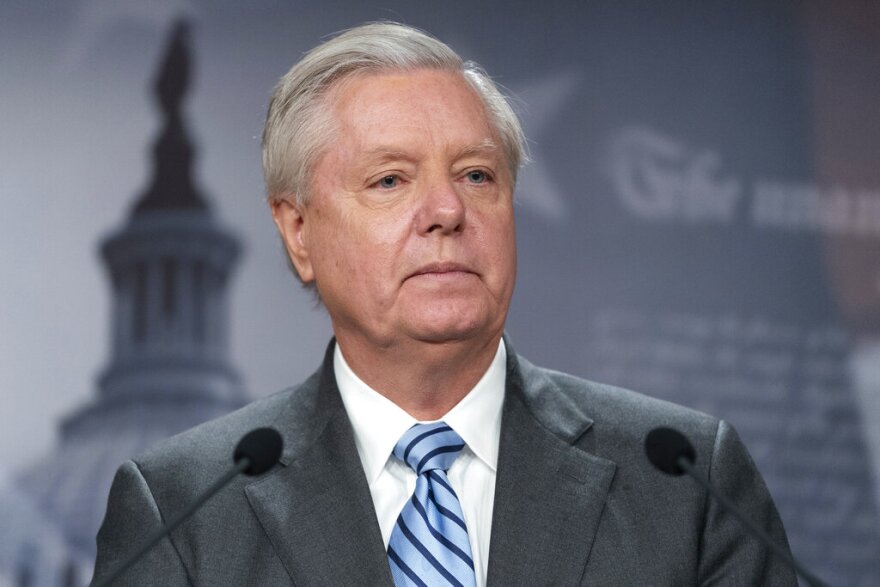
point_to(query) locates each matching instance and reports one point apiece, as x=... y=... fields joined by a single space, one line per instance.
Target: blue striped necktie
x=429 y=544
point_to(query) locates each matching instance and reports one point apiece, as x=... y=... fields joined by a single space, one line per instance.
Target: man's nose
x=442 y=209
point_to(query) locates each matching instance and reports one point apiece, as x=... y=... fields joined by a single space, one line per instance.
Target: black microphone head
x=262 y=447
x=664 y=446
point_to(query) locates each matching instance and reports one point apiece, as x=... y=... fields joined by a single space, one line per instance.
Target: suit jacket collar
x=549 y=493
x=317 y=511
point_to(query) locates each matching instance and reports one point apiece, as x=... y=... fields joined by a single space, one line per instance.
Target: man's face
x=409 y=233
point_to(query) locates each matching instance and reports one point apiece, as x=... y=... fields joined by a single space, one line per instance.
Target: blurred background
x=700 y=222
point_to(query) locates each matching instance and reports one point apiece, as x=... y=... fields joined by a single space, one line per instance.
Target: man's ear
x=291 y=223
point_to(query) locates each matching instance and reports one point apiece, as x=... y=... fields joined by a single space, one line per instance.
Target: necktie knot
x=429 y=544
x=429 y=447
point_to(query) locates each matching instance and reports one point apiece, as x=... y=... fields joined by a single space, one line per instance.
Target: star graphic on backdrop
x=541 y=101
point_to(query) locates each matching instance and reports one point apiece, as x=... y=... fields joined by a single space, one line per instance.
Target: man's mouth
x=442 y=269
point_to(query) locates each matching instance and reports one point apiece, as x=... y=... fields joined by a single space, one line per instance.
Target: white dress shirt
x=379 y=423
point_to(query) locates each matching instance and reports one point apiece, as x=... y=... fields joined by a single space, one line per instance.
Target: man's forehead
x=395 y=115
x=383 y=96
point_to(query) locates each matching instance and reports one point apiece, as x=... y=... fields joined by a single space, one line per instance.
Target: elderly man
x=425 y=451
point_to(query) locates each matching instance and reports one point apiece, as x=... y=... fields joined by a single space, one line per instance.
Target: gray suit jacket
x=576 y=501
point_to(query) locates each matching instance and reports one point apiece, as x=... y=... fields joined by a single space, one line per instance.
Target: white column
x=184 y=331
x=212 y=315
x=153 y=305
x=124 y=313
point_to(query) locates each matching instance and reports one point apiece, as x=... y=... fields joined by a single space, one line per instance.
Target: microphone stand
x=685 y=464
x=240 y=466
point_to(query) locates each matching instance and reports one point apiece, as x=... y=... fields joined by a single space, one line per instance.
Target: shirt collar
x=476 y=418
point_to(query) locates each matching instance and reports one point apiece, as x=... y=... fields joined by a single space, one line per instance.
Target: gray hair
x=298 y=122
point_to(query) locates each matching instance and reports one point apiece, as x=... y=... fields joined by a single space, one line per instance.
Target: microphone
x=261 y=448
x=256 y=453
x=671 y=452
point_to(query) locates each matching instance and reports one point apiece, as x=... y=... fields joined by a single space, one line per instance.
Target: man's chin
x=451 y=319
x=451 y=331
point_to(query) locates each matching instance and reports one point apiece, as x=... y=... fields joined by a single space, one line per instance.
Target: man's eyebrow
x=484 y=147
x=383 y=154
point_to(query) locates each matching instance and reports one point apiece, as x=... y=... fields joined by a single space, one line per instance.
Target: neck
x=426 y=380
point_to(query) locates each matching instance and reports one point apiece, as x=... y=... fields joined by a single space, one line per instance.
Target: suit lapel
x=316 y=510
x=549 y=494
x=319 y=517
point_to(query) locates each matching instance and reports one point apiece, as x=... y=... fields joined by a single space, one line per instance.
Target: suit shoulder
x=612 y=411
x=207 y=448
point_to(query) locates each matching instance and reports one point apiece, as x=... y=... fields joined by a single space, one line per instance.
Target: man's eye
x=477 y=176
x=389 y=181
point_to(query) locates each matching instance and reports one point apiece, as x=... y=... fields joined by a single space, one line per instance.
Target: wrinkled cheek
x=505 y=263
x=336 y=278
x=362 y=275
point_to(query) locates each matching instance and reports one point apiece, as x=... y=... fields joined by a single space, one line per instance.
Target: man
x=390 y=167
